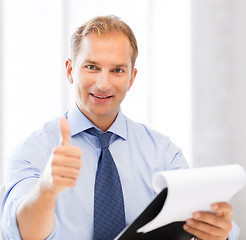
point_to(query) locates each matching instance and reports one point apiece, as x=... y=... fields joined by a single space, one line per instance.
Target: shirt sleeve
x=11 y=201
x=175 y=158
x=234 y=233
x=22 y=174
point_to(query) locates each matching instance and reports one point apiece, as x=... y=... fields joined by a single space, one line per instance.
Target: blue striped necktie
x=109 y=212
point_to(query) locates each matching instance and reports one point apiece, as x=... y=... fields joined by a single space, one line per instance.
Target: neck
x=103 y=122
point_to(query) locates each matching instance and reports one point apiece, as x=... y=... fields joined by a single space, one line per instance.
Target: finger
x=65 y=132
x=204 y=235
x=222 y=209
x=65 y=172
x=65 y=161
x=206 y=228
x=62 y=182
x=212 y=219
x=68 y=151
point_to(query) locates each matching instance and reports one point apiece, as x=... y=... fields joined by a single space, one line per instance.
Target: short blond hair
x=103 y=25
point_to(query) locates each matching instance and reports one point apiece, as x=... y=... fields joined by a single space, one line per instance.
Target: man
x=51 y=183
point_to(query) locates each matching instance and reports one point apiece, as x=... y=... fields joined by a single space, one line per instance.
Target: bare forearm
x=36 y=214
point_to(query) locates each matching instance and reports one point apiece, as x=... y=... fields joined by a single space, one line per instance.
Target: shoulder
x=40 y=142
x=30 y=157
x=151 y=140
x=49 y=132
x=143 y=131
x=155 y=145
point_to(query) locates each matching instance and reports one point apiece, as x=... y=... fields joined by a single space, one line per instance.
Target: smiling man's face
x=102 y=74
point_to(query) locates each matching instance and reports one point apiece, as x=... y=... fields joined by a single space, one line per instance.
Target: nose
x=103 y=81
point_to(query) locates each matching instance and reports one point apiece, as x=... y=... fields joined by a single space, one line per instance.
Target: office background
x=191 y=80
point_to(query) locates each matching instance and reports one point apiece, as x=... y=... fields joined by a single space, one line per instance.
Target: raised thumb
x=65 y=132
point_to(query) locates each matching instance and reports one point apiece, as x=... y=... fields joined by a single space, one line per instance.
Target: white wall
x=219 y=86
x=1 y=92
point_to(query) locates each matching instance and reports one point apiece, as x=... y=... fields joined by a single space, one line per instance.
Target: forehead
x=113 y=47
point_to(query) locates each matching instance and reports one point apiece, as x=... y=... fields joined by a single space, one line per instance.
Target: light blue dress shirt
x=137 y=151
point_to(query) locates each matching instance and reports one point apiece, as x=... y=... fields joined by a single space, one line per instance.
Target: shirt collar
x=79 y=122
x=119 y=126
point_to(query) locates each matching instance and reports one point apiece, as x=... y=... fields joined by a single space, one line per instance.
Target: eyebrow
x=88 y=61
x=121 y=65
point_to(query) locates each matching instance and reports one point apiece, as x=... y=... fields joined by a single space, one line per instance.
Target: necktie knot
x=104 y=138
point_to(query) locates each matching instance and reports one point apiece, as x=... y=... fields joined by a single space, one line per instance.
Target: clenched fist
x=63 y=169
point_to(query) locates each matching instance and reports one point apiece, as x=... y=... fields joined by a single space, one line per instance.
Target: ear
x=69 y=69
x=133 y=76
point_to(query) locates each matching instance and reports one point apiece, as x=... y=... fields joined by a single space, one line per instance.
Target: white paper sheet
x=191 y=190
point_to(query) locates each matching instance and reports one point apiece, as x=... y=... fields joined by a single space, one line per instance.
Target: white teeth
x=99 y=96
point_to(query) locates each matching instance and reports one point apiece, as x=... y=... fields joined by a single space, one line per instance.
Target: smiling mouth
x=100 y=97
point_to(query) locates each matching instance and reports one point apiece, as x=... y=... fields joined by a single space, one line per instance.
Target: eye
x=91 y=67
x=118 y=70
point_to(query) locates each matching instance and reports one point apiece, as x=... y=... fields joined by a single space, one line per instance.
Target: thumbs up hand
x=65 y=132
x=65 y=163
